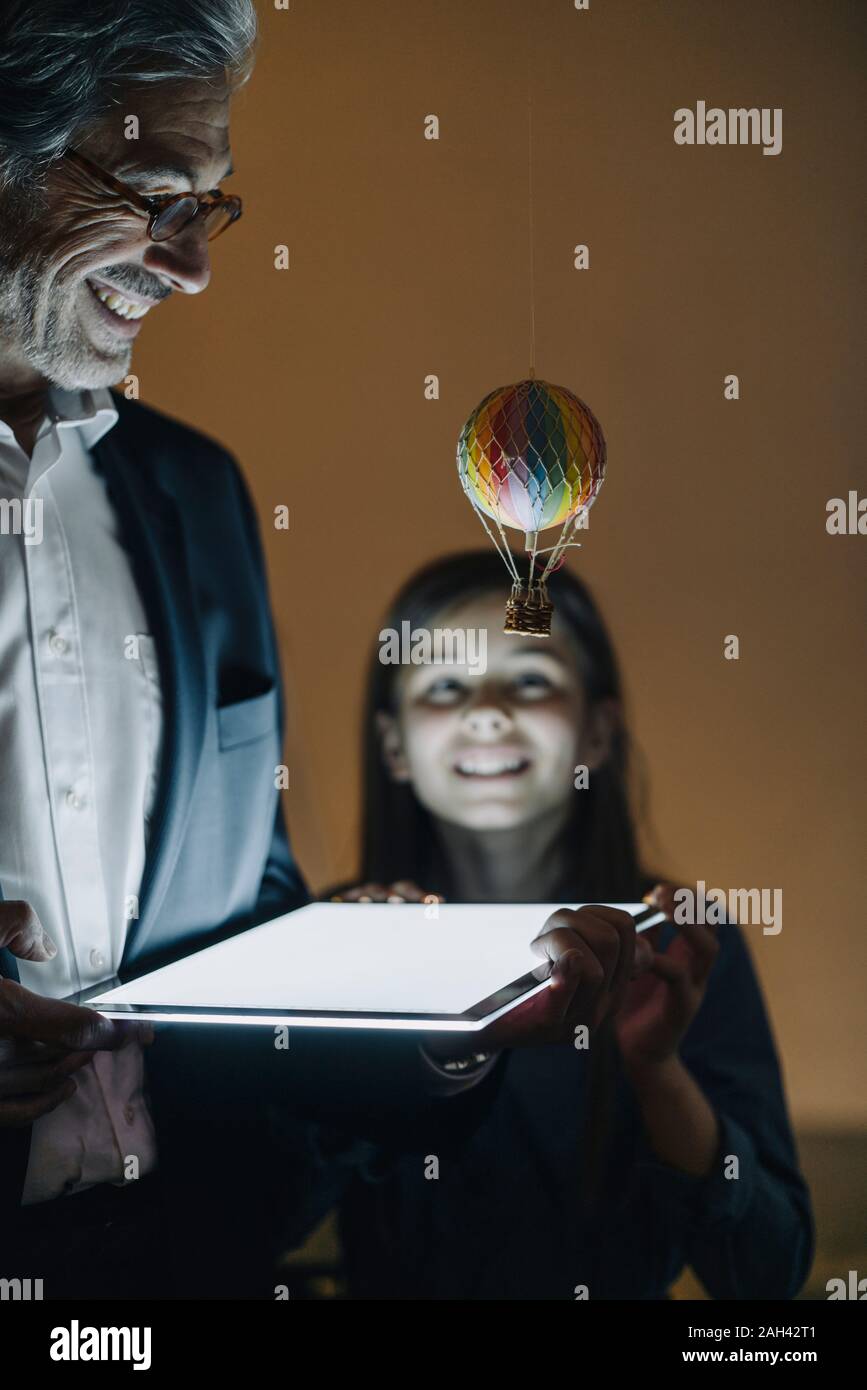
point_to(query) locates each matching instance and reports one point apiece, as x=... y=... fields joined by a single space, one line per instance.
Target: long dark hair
x=397 y=835
x=398 y=840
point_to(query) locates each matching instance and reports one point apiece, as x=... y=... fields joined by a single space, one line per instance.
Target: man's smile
x=120 y=310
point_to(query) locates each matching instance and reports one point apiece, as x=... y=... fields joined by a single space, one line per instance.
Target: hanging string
x=504 y=552
x=532 y=550
x=561 y=545
x=530 y=213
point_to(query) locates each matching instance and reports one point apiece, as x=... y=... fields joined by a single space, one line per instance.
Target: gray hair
x=62 y=63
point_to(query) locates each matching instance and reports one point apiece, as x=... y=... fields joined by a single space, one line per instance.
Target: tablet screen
x=364 y=964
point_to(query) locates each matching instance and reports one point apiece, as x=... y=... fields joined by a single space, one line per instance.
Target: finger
x=590 y=990
x=17 y=1057
x=30 y=1017
x=17 y=1114
x=407 y=892
x=535 y=1021
x=700 y=947
x=607 y=932
x=19 y=1053
x=569 y=917
x=554 y=941
x=676 y=975
x=623 y=925
x=131 y=1031
x=573 y=968
x=365 y=893
x=577 y=984
x=15 y=1053
x=570 y=977
x=22 y=933
x=663 y=897
x=652 y=935
x=637 y=948
x=570 y=966
x=701 y=938
x=33 y=1080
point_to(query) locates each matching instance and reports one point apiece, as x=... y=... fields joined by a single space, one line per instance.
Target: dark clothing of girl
x=519 y=1215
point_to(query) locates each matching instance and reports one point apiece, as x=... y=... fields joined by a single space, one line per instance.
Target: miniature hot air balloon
x=530 y=457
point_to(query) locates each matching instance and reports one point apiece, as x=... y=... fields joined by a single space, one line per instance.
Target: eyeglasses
x=168 y=213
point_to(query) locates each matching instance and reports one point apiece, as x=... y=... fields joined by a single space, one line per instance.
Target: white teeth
x=486 y=769
x=118 y=305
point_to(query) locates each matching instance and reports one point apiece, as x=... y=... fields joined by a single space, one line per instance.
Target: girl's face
x=496 y=750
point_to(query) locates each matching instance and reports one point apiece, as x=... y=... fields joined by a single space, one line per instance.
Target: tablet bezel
x=473 y=1019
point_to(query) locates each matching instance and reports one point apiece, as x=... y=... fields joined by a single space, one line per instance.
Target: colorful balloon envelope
x=531 y=456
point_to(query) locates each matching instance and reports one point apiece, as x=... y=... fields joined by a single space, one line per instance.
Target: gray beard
x=62 y=357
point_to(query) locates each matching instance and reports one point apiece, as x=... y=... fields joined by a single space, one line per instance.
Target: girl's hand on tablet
x=401 y=892
x=593 y=953
x=659 y=1007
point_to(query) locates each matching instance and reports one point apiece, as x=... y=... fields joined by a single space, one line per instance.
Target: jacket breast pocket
x=246 y=721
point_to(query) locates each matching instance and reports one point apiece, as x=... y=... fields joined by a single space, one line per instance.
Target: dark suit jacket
x=219 y=860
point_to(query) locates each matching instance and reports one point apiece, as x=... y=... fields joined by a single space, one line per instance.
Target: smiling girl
x=600 y=1171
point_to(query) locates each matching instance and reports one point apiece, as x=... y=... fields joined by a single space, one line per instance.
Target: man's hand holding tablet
x=44 y=1041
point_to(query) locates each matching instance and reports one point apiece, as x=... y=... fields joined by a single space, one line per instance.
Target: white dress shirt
x=80 y=732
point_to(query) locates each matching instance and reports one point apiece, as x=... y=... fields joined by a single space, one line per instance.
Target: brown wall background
x=409 y=257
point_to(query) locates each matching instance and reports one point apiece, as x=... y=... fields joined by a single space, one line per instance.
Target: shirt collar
x=91 y=411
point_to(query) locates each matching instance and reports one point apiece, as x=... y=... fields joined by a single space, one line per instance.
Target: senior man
x=140 y=719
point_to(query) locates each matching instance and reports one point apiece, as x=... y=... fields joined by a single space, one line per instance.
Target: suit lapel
x=152 y=529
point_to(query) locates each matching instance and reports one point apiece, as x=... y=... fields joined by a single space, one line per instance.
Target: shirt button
x=128 y=1114
x=57 y=645
x=73 y=800
x=97 y=959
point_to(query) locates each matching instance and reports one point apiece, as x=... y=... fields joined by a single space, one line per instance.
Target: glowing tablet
x=449 y=966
